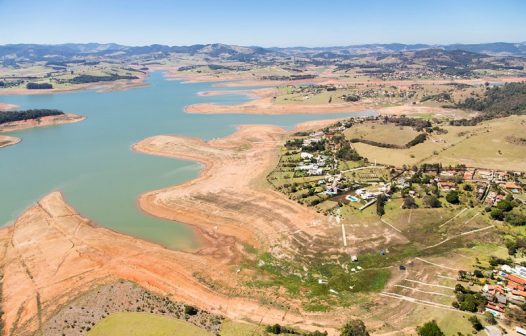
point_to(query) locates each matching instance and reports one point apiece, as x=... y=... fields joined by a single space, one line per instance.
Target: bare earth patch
x=8 y=141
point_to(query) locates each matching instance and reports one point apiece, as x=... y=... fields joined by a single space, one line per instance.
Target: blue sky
x=264 y=23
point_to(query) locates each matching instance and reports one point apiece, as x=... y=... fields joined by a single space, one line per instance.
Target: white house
x=305 y=155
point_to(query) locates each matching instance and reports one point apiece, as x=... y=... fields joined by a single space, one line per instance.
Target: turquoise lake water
x=92 y=163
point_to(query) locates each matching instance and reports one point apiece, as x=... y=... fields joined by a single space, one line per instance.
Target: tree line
x=11 y=116
x=38 y=86
x=83 y=79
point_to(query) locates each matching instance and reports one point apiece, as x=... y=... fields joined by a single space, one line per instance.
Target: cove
x=92 y=163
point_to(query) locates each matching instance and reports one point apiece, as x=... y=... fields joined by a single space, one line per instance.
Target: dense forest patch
x=497 y=102
x=10 y=116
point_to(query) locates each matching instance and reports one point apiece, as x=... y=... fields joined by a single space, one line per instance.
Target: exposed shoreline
x=262 y=103
x=262 y=99
x=14 y=126
x=118 y=85
x=66 y=118
x=6 y=140
x=226 y=169
x=7 y=107
x=53 y=248
x=53 y=253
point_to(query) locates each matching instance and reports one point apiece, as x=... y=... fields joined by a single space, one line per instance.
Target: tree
x=490 y=318
x=354 y=328
x=431 y=201
x=497 y=214
x=475 y=322
x=409 y=203
x=190 y=310
x=452 y=197
x=468 y=187
x=431 y=328
x=504 y=205
x=380 y=202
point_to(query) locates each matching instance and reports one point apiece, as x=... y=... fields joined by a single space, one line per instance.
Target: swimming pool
x=352 y=198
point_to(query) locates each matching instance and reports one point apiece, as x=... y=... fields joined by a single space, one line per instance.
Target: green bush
x=354 y=328
x=453 y=197
x=431 y=328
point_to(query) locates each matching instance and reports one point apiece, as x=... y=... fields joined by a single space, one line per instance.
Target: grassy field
x=144 y=324
x=384 y=133
x=486 y=145
x=286 y=95
x=491 y=148
x=231 y=328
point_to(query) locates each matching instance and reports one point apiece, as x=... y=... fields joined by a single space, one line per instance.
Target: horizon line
x=259 y=46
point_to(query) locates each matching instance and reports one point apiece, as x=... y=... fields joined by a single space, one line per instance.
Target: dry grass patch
x=483 y=146
x=384 y=133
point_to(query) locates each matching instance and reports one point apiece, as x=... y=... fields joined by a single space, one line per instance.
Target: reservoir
x=92 y=164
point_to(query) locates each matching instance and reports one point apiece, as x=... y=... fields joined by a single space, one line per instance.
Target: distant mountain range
x=37 y=52
x=496 y=48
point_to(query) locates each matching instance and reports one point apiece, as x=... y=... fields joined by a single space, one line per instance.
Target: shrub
x=515 y=219
x=452 y=197
x=490 y=318
x=190 y=310
x=409 y=203
x=354 y=328
x=431 y=328
x=432 y=201
x=475 y=322
x=497 y=214
x=504 y=205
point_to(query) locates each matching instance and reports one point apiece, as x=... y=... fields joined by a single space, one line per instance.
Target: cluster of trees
x=417 y=124
x=346 y=152
x=515 y=244
x=503 y=211
x=82 y=79
x=293 y=143
x=418 y=139
x=497 y=102
x=10 y=116
x=453 y=197
x=356 y=327
x=353 y=327
x=351 y=98
x=430 y=328
x=468 y=300
x=439 y=97
x=38 y=86
x=315 y=146
x=376 y=143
